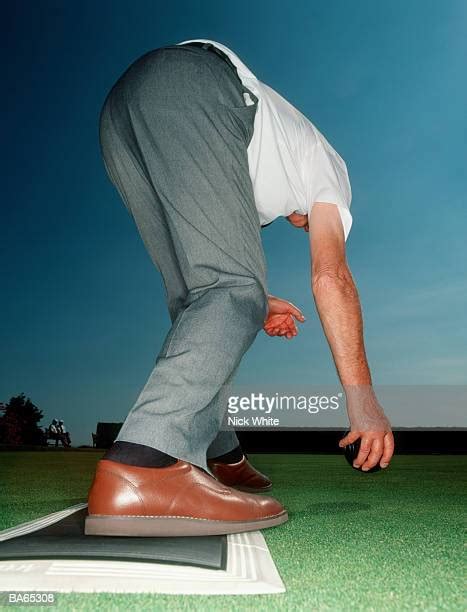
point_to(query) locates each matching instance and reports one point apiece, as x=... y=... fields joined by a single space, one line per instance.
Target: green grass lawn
x=385 y=541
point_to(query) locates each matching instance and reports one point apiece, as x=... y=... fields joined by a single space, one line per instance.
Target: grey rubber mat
x=65 y=539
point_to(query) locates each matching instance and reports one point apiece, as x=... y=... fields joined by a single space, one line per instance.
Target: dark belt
x=213 y=49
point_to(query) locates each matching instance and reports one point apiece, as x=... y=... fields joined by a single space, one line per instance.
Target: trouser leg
x=225 y=440
x=174 y=135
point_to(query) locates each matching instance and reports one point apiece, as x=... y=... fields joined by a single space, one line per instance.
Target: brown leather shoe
x=241 y=475
x=179 y=500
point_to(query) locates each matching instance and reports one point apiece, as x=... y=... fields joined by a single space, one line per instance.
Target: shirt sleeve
x=329 y=181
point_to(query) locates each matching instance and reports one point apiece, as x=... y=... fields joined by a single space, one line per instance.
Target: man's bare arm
x=339 y=309
x=336 y=295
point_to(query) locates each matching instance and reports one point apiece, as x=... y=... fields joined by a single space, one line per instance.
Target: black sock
x=233 y=456
x=138 y=455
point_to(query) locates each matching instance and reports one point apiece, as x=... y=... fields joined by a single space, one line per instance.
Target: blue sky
x=82 y=308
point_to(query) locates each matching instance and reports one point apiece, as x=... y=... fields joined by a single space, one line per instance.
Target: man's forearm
x=339 y=309
x=338 y=306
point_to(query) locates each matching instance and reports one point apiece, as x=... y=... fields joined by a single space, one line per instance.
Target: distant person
x=203 y=154
x=53 y=431
x=53 y=427
x=66 y=440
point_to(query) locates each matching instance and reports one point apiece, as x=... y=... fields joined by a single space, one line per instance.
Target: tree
x=19 y=422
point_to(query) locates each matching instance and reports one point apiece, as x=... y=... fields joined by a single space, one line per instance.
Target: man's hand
x=280 y=320
x=369 y=423
x=375 y=447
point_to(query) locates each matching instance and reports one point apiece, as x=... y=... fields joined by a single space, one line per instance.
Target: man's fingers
x=285 y=327
x=296 y=312
x=292 y=327
x=288 y=323
x=351 y=437
x=375 y=454
x=388 y=450
x=278 y=331
x=271 y=330
x=274 y=331
x=365 y=447
x=282 y=325
x=277 y=320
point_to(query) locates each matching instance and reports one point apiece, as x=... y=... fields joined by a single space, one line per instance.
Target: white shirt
x=291 y=164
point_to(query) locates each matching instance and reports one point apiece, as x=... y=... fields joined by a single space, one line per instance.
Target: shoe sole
x=162 y=526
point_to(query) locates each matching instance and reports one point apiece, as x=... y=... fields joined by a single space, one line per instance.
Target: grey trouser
x=174 y=132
